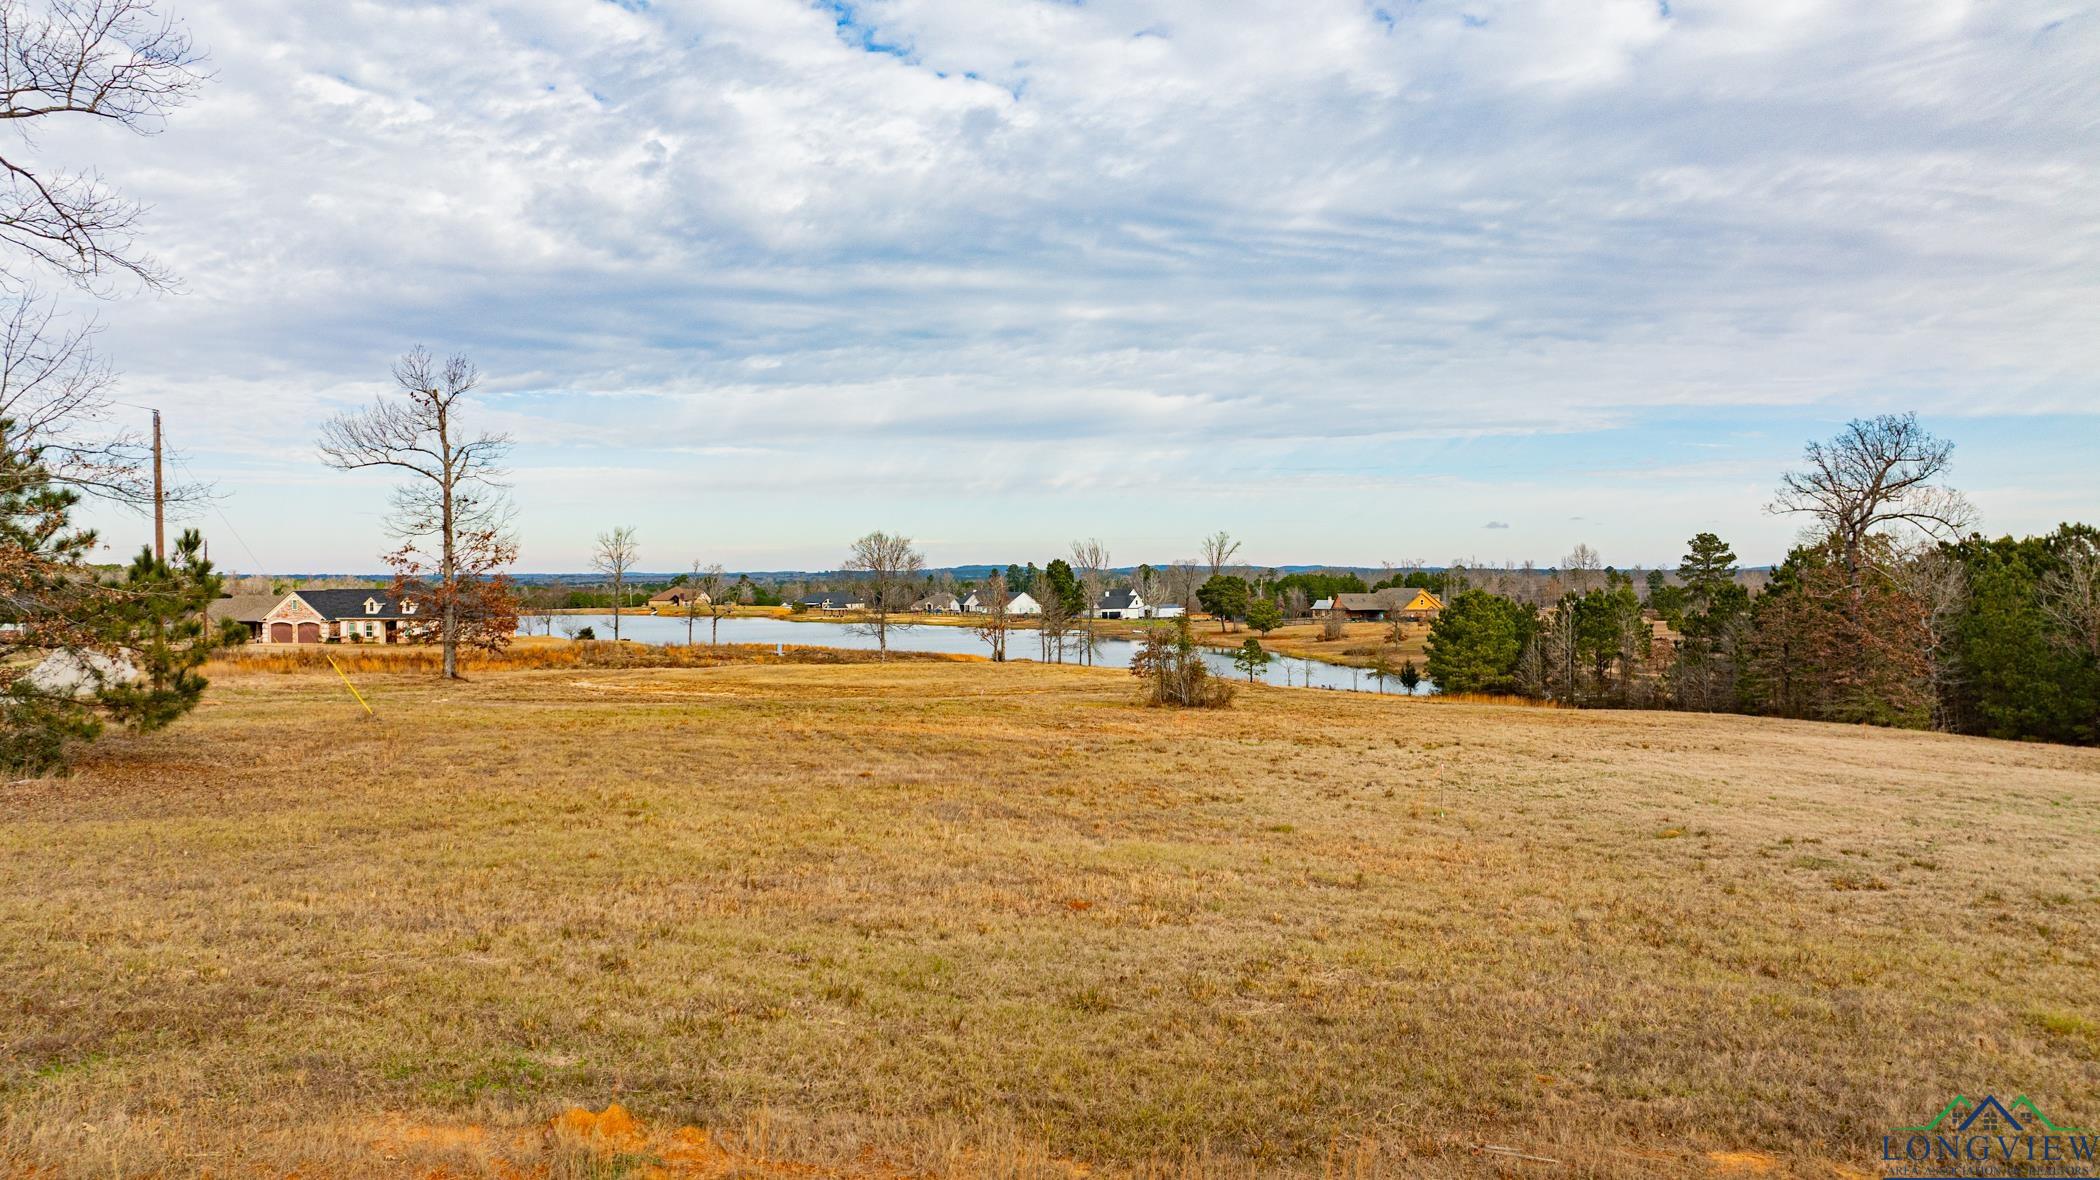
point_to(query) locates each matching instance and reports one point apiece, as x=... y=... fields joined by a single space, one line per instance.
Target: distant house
x=1120 y=604
x=1394 y=602
x=975 y=603
x=249 y=610
x=1418 y=606
x=832 y=600
x=342 y=616
x=1165 y=610
x=679 y=596
x=938 y=604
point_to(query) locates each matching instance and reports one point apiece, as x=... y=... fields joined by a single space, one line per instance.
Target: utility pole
x=160 y=524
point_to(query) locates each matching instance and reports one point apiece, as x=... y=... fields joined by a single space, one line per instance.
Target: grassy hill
x=964 y=919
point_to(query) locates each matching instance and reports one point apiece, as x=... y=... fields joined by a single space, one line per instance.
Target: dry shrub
x=1174 y=672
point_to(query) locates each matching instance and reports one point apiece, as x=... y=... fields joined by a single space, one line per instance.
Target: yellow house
x=1423 y=607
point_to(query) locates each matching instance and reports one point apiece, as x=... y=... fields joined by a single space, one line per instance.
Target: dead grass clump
x=1491 y=698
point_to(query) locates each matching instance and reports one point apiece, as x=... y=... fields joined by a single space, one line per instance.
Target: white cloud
x=1174 y=247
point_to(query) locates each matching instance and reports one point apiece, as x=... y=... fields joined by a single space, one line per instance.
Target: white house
x=1018 y=604
x=1120 y=604
x=1165 y=610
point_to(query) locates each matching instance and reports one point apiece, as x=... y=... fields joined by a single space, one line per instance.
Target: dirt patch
x=579 y=1141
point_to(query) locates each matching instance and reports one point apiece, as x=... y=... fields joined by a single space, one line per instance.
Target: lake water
x=1112 y=653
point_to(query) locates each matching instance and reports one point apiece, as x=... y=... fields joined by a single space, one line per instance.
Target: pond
x=1289 y=671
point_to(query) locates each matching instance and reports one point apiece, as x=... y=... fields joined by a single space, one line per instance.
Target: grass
x=942 y=918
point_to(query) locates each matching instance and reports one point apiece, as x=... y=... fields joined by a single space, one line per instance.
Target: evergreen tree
x=1477 y=642
x=2015 y=676
x=1832 y=643
x=1264 y=615
x=1250 y=658
x=130 y=650
x=1225 y=597
x=1059 y=582
x=1665 y=598
x=1611 y=638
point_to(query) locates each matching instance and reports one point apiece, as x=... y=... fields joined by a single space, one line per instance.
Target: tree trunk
x=448 y=573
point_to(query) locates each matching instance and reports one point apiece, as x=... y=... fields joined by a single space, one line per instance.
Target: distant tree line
x=1889 y=612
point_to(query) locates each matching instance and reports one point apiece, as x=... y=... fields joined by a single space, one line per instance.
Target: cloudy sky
x=1357 y=280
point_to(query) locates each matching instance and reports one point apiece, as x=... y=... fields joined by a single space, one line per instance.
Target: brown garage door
x=309 y=632
x=280 y=633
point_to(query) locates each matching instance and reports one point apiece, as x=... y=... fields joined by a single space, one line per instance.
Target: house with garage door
x=1120 y=604
x=341 y=616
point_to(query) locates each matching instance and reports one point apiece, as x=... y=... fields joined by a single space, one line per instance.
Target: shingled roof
x=354 y=604
x=242 y=608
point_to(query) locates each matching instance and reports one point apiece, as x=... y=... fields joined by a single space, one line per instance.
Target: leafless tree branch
x=119 y=60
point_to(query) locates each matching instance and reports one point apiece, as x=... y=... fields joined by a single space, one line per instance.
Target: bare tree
x=1877 y=474
x=616 y=554
x=1218 y=549
x=2070 y=596
x=714 y=584
x=115 y=60
x=1459 y=576
x=1180 y=582
x=55 y=401
x=995 y=622
x=1937 y=583
x=1090 y=562
x=891 y=570
x=1294 y=603
x=1145 y=580
x=1582 y=569
x=692 y=601
x=454 y=495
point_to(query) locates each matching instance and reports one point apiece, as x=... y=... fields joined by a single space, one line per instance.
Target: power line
x=218 y=512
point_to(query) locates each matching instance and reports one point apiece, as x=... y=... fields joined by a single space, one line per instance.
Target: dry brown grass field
x=960 y=919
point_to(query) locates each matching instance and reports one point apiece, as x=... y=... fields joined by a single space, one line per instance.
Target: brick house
x=341 y=616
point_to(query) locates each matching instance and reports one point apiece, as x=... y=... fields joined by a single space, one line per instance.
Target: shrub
x=1174 y=673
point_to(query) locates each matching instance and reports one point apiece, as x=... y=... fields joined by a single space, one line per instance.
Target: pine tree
x=134 y=646
x=1477 y=642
